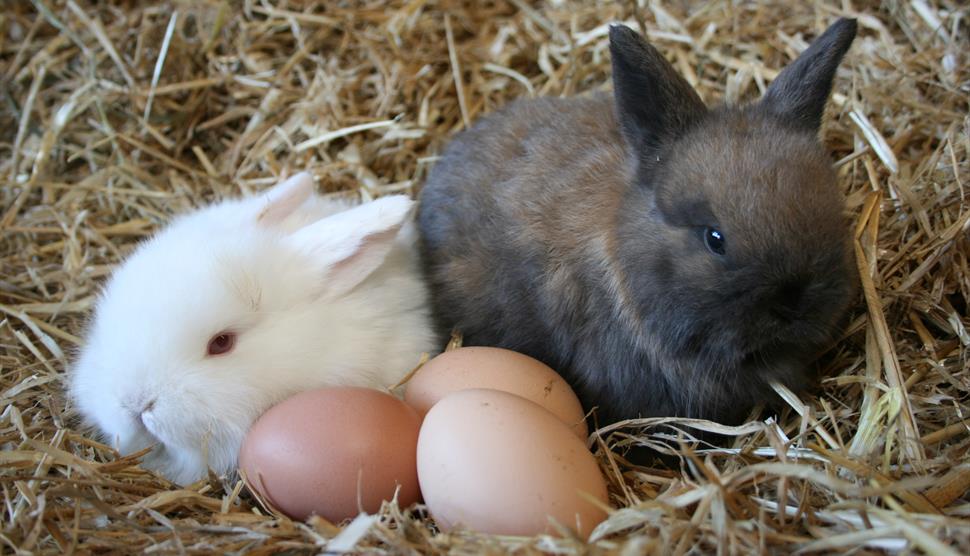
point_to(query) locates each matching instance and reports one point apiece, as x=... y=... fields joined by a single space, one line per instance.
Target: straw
x=114 y=118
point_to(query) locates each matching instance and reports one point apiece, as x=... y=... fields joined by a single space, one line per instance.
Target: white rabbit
x=241 y=304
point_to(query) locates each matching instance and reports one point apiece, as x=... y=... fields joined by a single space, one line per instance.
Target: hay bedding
x=115 y=117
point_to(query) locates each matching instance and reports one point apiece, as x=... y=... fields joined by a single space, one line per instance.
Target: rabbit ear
x=798 y=94
x=283 y=198
x=653 y=101
x=348 y=246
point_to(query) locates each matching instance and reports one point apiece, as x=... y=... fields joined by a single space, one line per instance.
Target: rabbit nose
x=147 y=418
x=140 y=406
x=789 y=298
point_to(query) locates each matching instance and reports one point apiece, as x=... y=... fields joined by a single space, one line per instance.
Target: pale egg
x=497 y=463
x=496 y=369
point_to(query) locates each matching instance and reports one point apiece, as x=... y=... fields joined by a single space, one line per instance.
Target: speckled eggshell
x=496 y=369
x=497 y=463
x=308 y=454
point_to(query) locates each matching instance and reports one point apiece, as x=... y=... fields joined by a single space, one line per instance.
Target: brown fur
x=573 y=230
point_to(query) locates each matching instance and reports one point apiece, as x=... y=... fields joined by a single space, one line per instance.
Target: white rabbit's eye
x=714 y=240
x=222 y=343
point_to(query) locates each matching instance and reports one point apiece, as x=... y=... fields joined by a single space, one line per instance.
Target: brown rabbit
x=667 y=259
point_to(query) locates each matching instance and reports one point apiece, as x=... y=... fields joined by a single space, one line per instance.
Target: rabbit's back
x=516 y=222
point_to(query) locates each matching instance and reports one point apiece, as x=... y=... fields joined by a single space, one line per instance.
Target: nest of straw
x=113 y=118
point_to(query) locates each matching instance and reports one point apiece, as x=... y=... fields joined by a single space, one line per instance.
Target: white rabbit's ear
x=348 y=246
x=283 y=198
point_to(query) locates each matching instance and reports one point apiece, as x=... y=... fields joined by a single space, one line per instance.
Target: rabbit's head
x=733 y=238
x=223 y=313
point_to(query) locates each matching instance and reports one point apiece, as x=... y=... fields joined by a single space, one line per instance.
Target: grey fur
x=572 y=230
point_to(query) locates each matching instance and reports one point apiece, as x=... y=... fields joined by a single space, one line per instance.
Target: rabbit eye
x=714 y=240
x=221 y=344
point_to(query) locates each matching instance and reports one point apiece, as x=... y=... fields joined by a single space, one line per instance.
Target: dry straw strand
x=116 y=116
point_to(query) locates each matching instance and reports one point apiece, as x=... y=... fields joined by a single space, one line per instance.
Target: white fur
x=343 y=305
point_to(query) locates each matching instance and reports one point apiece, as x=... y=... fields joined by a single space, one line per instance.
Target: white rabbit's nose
x=147 y=407
x=148 y=418
x=139 y=406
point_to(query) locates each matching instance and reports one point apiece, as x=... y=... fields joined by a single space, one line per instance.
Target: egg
x=497 y=463
x=496 y=369
x=333 y=452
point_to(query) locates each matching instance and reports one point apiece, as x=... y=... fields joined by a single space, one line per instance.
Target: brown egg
x=497 y=463
x=322 y=451
x=496 y=369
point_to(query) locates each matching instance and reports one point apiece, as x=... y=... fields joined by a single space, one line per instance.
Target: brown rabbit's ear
x=798 y=94
x=654 y=103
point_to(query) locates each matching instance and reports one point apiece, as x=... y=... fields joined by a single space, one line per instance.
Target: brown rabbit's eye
x=221 y=344
x=714 y=240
